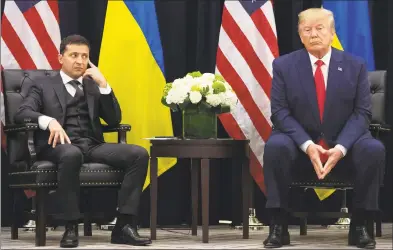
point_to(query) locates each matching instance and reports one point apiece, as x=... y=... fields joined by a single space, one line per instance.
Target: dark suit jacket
x=48 y=97
x=295 y=112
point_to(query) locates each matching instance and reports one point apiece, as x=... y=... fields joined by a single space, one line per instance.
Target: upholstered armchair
x=26 y=172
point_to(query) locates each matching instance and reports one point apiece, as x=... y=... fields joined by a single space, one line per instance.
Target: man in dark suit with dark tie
x=68 y=108
x=320 y=103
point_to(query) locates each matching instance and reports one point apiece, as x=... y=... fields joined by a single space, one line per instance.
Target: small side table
x=200 y=151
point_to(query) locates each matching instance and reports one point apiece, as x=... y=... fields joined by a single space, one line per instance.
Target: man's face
x=74 y=60
x=316 y=35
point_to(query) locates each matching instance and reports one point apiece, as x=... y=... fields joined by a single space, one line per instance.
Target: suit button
x=322 y=134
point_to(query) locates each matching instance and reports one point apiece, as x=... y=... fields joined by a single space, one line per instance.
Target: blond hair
x=316 y=12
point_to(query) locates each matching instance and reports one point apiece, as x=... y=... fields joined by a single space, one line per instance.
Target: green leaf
x=172 y=106
x=205 y=90
x=167 y=87
x=195 y=74
x=218 y=87
x=184 y=105
x=219 y=78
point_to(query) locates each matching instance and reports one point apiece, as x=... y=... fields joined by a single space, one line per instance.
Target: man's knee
x=377 y=150
x=71 y=153
x=279 y=145
x=371 y=149
x=137 y=153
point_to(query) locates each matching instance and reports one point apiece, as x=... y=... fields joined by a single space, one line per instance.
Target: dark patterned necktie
x=75 y=84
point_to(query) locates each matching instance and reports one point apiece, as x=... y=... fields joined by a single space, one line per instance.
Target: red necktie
x=321 y=96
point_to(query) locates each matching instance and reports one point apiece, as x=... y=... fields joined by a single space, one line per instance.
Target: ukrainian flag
x=353 y=34
x=131 y=59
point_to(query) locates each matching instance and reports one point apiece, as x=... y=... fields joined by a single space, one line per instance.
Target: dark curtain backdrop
x=189 y=35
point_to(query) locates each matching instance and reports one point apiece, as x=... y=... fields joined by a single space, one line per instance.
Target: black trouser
x=69 y=158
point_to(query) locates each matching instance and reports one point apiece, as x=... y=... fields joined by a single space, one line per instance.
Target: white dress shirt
x=43 y=121
x=325 y=72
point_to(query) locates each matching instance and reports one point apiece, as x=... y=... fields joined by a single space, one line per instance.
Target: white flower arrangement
x=200 y=91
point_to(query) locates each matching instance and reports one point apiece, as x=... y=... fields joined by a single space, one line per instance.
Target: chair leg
x=87 y=230
x=14 y=223
x=351 y=234
x=303 y=226
x=378 y=225
x=40 y=228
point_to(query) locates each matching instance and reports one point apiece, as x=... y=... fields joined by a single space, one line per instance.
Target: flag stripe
x=243 y=45
x=244 y=123
x=262 y=24
x=234 y=131
x=238 y=62
x=15 y=45
x=228 y=72
x=257 y=171
x=55 y=10
x=251 y=33
x=7 y=58
x=231 y=125
x=26 y=35
x=43 y=38
x=268 y=12
x=247 y=47
x=49 y=19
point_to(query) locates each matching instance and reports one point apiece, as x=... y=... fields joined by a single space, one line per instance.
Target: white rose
x=177 y=95
x=179 y=83
x=208 y=76
x=231 y=99
x=195 y=97
x=213 y=100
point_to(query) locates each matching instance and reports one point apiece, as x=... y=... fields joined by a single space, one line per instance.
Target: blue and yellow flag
x=131 y=59
x=353 y=34
x=353 y=28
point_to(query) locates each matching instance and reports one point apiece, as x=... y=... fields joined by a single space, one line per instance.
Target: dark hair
x=73 y=39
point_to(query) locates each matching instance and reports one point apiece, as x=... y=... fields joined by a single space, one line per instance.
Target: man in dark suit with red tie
x=320 y=102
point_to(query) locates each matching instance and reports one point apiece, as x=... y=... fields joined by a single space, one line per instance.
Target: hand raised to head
x=96 y=75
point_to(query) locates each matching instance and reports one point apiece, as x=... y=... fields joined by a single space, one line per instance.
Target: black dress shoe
x=360 y=238
x=70 y=237
x=129 y=236
x=277 y=237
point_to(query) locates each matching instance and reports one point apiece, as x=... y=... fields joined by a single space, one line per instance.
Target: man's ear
x=60 y=58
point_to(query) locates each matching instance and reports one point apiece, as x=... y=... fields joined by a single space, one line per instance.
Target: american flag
x=30 y=37
x=246 y=49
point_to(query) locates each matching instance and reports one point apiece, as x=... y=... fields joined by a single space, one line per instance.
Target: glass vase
x=199 y=124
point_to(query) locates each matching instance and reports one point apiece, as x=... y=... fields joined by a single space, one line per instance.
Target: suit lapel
x=333 y=81
x=89 y=95
x=60 y=90
x=307 y=81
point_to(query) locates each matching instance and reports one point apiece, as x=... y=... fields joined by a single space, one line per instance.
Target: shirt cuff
x=43 y=121
x=305 y=145
x=105 y=91
x=341 y=148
